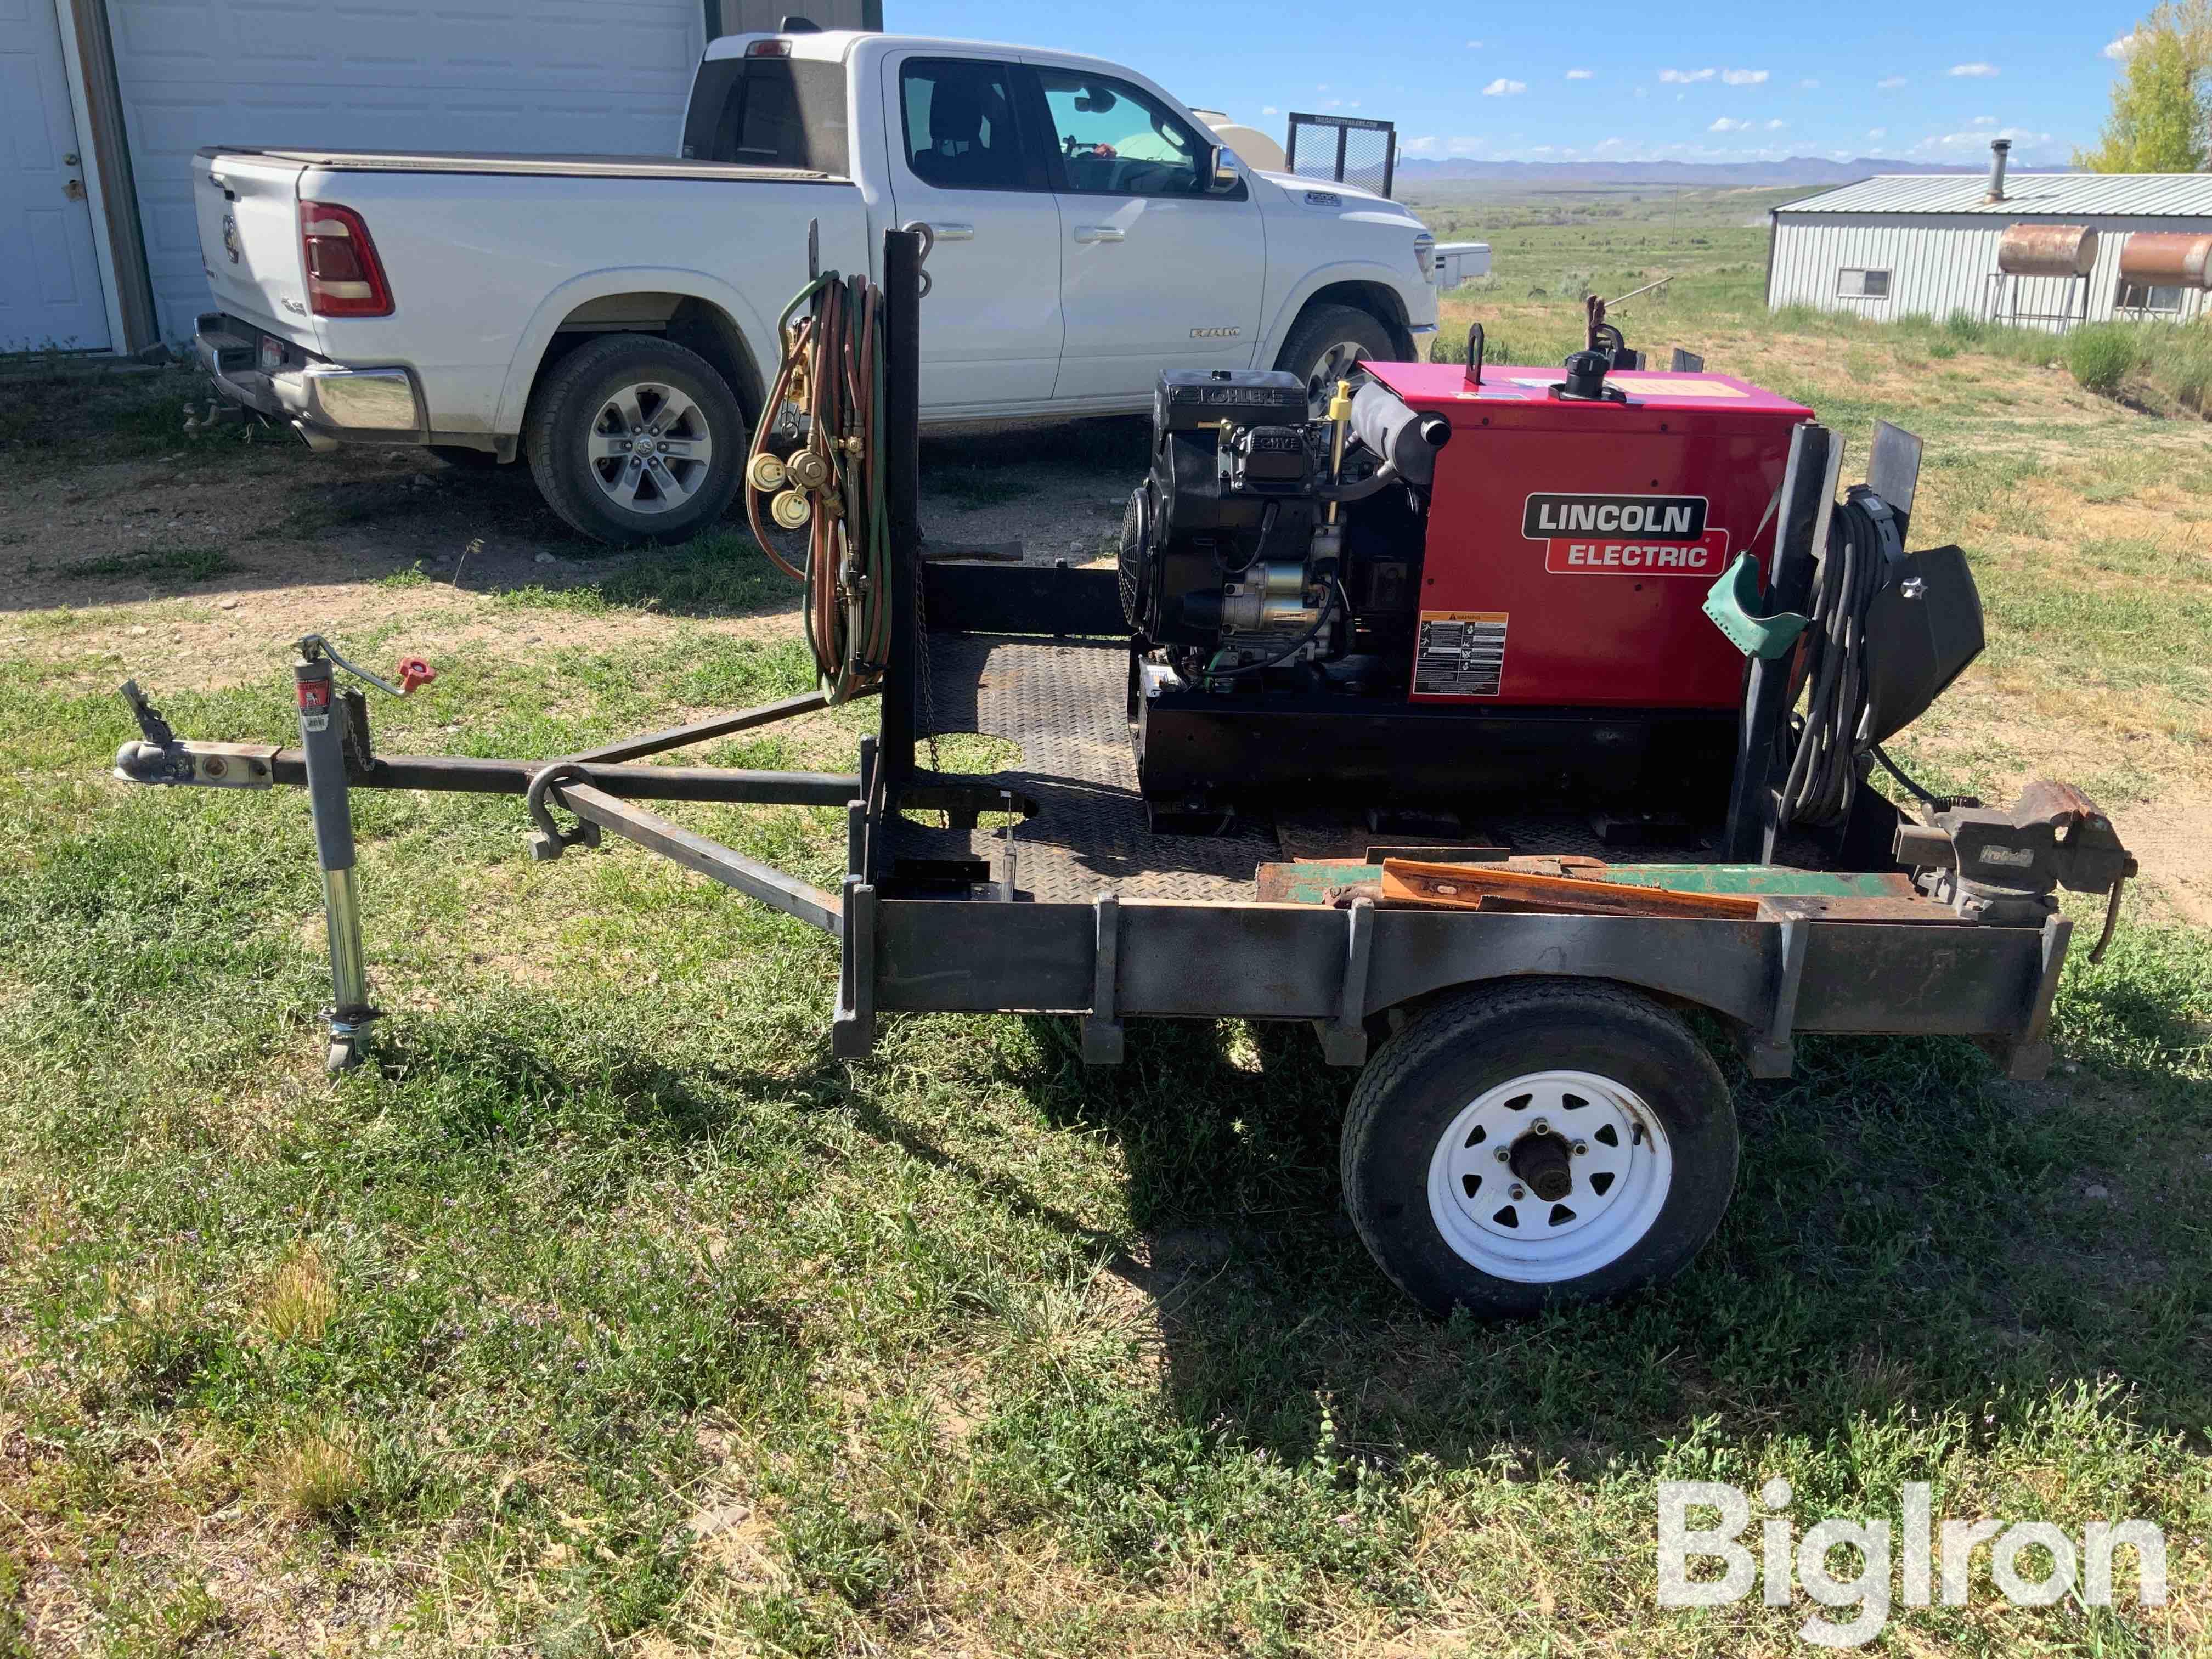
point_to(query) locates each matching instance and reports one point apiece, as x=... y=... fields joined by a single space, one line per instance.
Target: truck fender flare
x=536 y=335
x=1350 y=270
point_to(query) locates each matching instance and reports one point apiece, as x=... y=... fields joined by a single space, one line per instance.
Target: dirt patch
x=2172 y=839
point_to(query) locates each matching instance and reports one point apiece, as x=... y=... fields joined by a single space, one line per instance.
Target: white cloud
x=1354 y=104
x=1978 y=138
x=1976 y=71
x=1877 y=132
x=1579 y=74
x=2117 y=49
x=1502 y=88
x=1725 y=125
x=1269 y=109
x=1743 y=77
x=1776 y=126
x=1641 y=93
x=1985 y=120
x=1683 y=77
x=1889 y=83
x=1808 y=82
x=1474 y=45
x=1424 y=145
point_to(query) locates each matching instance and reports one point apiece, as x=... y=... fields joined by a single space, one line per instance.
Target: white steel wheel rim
x=1622 y=1178
x=1333 y=364
x=650 y=448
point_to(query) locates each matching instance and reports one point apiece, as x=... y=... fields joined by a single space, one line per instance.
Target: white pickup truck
x=1088 y=231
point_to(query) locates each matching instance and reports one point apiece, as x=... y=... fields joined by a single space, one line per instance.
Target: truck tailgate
x=249 y=222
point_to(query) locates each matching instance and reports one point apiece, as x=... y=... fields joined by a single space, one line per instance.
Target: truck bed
x=494 y=161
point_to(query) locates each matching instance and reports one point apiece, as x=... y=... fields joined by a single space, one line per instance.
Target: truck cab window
x=958 y=116
x=770 y=112
x=1114 y=139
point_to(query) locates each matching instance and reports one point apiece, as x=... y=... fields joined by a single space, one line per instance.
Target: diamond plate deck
x=1063 y=703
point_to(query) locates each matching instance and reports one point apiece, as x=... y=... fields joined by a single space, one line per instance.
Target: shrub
x=2101 y=356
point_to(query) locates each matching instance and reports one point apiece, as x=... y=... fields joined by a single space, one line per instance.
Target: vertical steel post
x=322 y=740
x=902 y=464
x=1807 y=488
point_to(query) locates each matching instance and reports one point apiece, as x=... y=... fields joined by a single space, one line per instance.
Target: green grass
x=609 y=1312
x=72 y=417
x=188 y=564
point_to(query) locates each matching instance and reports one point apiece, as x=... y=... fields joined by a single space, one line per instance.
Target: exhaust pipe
x=1999 y=148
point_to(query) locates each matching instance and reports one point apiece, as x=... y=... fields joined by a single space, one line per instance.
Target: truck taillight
x=345 y=276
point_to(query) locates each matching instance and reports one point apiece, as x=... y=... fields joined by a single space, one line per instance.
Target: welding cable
x=1934 y=803
x=1832 y=734
x=1335 y=603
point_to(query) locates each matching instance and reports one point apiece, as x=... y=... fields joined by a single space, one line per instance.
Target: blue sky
x=1734 y=82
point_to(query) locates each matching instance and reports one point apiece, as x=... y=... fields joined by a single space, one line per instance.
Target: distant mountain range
x=1708 y=175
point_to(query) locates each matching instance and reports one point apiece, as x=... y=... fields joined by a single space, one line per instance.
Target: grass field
x=609 y=1313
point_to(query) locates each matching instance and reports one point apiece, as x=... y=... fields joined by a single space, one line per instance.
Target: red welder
x=1482 y=588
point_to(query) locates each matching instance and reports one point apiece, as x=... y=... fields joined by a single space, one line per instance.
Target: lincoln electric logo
x=1625 y=535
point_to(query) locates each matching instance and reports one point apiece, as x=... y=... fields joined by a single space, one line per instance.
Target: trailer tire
x=1631 y=1104
x=663 y=494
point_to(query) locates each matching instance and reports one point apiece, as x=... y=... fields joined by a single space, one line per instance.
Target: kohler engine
x=1239 y=557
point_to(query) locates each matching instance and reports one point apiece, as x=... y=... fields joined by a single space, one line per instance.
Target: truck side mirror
x=1222 y=174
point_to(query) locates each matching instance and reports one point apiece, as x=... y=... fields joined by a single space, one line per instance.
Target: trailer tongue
x=1417 y=673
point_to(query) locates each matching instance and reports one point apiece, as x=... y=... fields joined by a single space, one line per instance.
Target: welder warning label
x=1625 y=555
x=1625 y=535
x=1461 y=654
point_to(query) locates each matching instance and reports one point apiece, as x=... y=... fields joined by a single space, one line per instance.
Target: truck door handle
x=943 y=232
x=1098 y=232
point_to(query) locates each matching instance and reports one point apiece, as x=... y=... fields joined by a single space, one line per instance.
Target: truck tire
x=1465 y=1202
x=632 y=438
x=1324 y=343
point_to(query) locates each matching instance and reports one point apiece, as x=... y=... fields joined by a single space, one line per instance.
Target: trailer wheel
x=633 y=438
x=1545 y=1142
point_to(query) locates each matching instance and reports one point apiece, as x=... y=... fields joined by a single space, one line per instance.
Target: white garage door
x=49 y=293
x=607 y=76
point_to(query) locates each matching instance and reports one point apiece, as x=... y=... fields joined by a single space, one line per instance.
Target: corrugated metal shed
x=1928 y=243
x=2028 y=195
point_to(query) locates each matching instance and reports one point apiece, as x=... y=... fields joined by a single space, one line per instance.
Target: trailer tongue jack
x=1617 y=608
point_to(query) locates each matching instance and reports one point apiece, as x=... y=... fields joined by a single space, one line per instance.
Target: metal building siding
x=606 y=76
x=1941 y=262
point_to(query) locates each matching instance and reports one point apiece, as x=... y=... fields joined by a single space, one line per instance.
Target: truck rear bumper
x=327 y=403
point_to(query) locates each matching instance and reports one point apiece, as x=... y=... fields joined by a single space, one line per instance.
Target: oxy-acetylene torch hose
x=833 y=368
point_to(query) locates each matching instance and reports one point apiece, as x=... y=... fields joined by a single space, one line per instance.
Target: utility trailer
x=1535 y=1121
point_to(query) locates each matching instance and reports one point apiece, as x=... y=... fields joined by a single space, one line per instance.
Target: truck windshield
x=769 y=112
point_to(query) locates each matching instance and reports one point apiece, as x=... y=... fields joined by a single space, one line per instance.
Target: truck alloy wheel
x=1326 y=343
x=651 y=447
x=633 y=437
x=1544 y=1141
